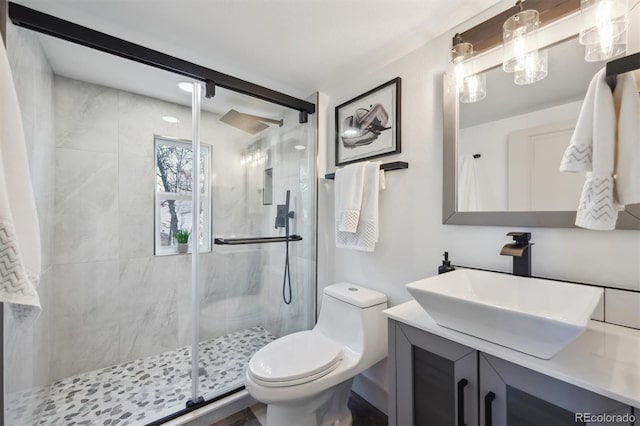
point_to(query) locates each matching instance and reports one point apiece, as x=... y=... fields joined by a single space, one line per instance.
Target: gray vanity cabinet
x=437 y=382
x=514 y=395
x=436 y=379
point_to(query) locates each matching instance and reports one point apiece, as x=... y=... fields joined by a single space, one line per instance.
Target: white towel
x=349 y=185
x=366 y=234
x=592 y=149
x=469 y=188
x=627 y=101
x=19 y=230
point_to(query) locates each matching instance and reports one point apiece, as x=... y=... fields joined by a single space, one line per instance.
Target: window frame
x=205 y=197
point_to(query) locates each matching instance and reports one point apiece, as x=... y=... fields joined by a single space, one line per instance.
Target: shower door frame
x=32 y=19
x=35 y=20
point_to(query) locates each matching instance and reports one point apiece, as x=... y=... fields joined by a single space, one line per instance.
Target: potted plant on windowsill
x=182 y=237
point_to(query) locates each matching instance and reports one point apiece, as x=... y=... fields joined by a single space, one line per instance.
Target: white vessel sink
x=535 y=316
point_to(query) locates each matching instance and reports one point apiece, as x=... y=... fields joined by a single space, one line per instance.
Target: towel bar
x=396 y=165
x=254 y=240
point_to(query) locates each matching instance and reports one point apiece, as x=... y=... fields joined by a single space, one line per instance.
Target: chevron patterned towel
x=597 y=210
x=19 y=230
x=592 y=150
x=366 y=233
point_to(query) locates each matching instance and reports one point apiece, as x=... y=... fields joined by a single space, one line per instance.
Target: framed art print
x=369 y=126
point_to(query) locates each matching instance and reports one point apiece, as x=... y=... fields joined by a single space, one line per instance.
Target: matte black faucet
x=521 y=252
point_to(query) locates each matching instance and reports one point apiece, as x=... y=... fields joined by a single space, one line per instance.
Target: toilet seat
x=295 y=359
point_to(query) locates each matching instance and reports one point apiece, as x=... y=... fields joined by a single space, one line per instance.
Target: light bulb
x=474 y=88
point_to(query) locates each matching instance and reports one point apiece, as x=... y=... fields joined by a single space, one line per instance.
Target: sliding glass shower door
x=136 y=176
x=259 y=152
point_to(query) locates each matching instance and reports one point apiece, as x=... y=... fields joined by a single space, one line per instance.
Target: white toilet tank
x=352 y=316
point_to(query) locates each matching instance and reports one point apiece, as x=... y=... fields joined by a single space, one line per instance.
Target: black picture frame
x=365 y=128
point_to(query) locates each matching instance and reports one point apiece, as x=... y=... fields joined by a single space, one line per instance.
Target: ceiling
x=85 y=64
x=294 y=46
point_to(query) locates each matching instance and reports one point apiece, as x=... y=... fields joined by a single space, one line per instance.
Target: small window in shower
x=173 y=201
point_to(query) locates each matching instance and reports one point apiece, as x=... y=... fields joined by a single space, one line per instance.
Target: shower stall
x=178 y=230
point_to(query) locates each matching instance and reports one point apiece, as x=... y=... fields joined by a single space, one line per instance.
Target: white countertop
x=605 y=359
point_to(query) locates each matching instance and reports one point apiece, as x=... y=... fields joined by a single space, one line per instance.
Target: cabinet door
x=516 y=396
x=434 y=380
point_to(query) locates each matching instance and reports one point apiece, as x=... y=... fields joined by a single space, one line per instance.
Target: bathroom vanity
x=439 y=376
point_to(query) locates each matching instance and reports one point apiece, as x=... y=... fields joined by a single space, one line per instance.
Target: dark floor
x=243 y=418
x=364 y=414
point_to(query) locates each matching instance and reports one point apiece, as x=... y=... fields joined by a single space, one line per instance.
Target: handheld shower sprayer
x=283 y=215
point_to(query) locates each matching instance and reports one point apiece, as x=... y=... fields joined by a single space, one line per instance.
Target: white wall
x=412 y=236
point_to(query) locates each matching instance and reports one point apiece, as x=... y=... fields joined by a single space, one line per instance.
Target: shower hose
x=287 y=271
x=287 y=274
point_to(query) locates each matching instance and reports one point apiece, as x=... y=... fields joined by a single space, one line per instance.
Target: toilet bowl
x=305 y=378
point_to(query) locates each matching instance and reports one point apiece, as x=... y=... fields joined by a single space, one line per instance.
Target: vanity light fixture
x=458 y=69
x=520 y=39
x=536 y=66
x=474 y=88
x=604 y=28
x=461 y=78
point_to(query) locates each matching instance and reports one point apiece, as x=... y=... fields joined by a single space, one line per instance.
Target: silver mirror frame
x=628 y=219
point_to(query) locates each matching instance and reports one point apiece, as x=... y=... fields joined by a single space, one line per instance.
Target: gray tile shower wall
x=27 y=349
x=114 y=301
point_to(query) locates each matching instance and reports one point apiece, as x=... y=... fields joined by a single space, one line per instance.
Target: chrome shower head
x=247 y=122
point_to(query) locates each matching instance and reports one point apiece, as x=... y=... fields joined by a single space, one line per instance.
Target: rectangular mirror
x=502 y=154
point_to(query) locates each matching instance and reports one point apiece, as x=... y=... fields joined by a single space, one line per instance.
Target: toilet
x=305 y=378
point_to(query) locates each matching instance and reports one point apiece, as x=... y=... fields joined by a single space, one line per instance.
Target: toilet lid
x=295 y=356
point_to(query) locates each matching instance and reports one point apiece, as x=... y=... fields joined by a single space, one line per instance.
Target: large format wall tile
x=83 y=349
x=86 y=116
x=150 y=288
x=136 y=197
x=140 y=120
x=86 y=294
x=86 y=206
x=86 y=310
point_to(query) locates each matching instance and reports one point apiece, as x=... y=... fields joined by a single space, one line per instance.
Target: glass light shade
x=536 y=68
x=458 y=69
x=519 y=38
x=474 y=88
x=602 y=21
x=597 y=52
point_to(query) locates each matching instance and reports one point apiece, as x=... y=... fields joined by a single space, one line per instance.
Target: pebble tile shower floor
x=140 y=391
